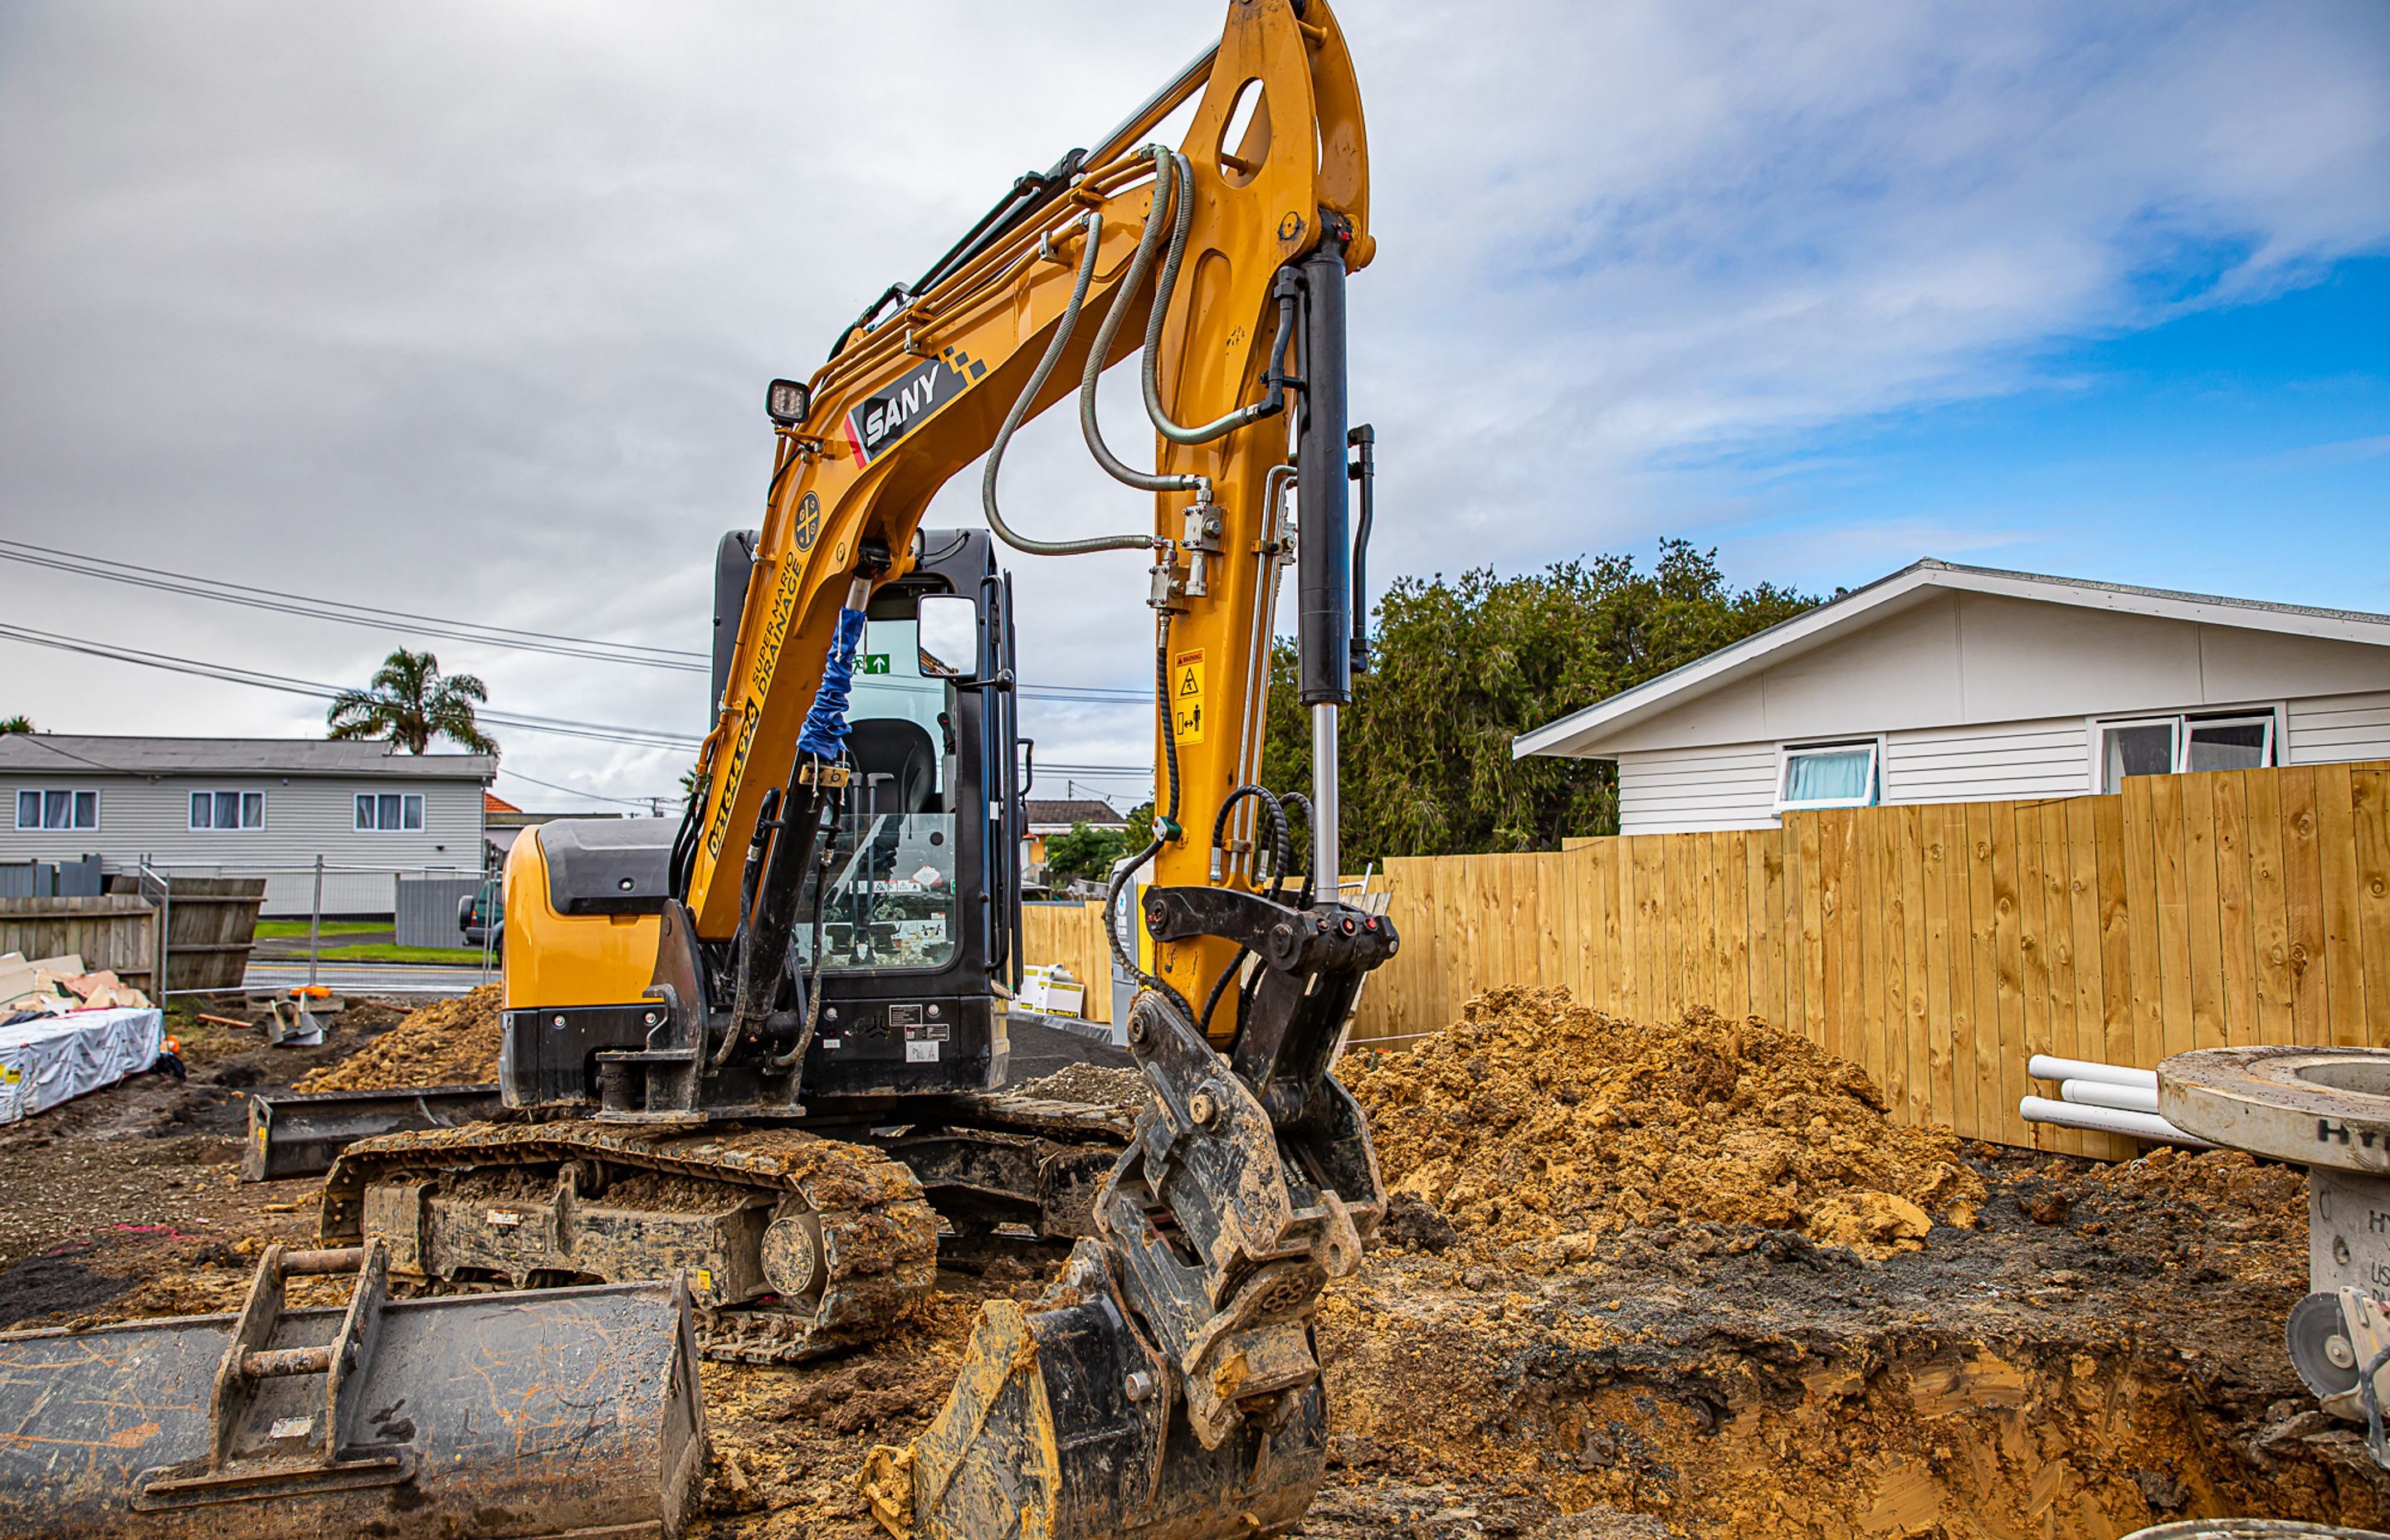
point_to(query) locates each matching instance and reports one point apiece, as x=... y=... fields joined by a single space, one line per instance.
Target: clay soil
x=1601 y=1323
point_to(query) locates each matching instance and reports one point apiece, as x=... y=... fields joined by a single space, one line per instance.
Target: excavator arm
x=1168 y=1387
x=1268 y=188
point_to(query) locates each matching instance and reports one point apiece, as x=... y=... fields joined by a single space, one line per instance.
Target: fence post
x=316 y=921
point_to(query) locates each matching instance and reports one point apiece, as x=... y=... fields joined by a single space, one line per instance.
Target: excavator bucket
x=560 y=1412
x=1061 y=1428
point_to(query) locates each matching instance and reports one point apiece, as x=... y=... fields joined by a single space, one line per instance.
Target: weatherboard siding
x=149 y=819
x=1994 y=762
x=2339 y=728
x=1682 y=790
x=1733 y=785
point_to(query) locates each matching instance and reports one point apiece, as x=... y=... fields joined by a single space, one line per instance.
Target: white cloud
x=466 y=309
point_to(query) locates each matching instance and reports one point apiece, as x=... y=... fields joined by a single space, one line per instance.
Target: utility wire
x=561 y=727
x=225 y=590
x=577 y=792
x=554 y=644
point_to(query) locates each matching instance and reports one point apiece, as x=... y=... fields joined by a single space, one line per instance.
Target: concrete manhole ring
x=2314 y=1106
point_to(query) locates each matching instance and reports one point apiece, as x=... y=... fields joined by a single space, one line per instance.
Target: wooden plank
x=2033 y=961
x=1810 y=890
x=2057 y=938
x=1910 y=840
x=1835 y=896
x=2235 y=931
x=1701 y=950
x=2204 y=926
x=2116 y=924
x=2269 y=934
x=1984 y=975
x=2085 y=1030
x=1617 y=926
x=2370 y=804
x=1933 y=871
x=1733 y=920
x=1770 y=934
x=1888 y=957
x=2145 y=968
x=2343 y=945
x=2303 y=905
x=1650 y=939
x=1752 y=942
x=2168 y=840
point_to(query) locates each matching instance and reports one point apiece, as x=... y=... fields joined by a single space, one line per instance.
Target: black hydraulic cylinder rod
x=1323 y=493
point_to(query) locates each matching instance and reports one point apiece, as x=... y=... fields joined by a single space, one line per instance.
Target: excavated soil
x=1589 y=1316
x=450 y=1042
x=1535 y=1124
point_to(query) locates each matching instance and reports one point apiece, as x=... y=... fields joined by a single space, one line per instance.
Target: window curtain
x=1840 y=774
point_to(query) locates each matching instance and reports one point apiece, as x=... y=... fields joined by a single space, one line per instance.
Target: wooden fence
x=1936 y=945
x=1073 y=935
x=1939 y=946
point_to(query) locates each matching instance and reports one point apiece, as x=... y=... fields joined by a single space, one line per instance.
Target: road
x=365 y=978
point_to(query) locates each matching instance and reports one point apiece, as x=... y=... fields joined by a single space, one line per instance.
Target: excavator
x=690 y=1096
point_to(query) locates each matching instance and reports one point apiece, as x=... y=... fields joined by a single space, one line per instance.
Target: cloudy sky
x=464 y=311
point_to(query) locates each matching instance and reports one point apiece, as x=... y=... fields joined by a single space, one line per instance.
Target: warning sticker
x=1187 y=696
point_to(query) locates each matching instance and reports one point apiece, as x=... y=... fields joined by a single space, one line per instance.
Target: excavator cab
x=907 y=924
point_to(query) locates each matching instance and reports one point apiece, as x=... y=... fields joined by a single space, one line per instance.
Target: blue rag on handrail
x=824 y=733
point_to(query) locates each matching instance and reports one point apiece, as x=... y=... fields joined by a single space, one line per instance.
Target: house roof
x=1062 y=813
x=492 y=802
x=1580 y=734
x=65 y=754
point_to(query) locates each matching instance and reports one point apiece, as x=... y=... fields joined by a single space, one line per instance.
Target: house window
x=390 y=811
x=57 y=810
x=227 y=810
x=1828 y=775
x=2173 y=745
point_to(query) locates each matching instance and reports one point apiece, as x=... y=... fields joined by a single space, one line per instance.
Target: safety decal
x=879 y=420
x=1187 y=697
x=807 y=525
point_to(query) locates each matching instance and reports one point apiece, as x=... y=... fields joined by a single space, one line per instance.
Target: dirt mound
x=1534 y=1119
x=448 y=1043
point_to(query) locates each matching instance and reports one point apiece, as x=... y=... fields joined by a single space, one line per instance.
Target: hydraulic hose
x=1165 y=826
x=1183 y=182
x=1147 y=244
x=1092 y=229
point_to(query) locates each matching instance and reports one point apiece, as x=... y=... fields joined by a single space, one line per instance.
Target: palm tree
x=18 y=723
x=411 y=702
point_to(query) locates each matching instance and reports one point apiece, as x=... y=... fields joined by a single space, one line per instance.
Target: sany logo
x=879 y=420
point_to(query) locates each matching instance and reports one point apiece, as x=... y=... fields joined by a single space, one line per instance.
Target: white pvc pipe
x=2105 y=1119
x=2094 y=1093
x=2043 y=1066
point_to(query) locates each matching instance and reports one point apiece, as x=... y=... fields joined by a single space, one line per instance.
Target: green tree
x=411 y=702
x=17 y=724
x=1460 y=668
x=1141 y=828
x=1086 y=851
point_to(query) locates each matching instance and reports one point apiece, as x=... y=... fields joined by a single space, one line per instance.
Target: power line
x=110 y=569
x=577 y=792
x=373 y=617
x=258 y=679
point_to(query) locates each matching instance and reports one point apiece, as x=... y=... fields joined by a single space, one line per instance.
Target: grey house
x=247 y=807
x=1948 y=684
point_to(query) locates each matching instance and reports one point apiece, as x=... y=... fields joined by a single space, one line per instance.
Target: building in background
x=248 y=807
x=1042 y=819
x=1949 y=684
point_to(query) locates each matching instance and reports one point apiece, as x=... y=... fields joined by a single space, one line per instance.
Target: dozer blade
x=568 y=1412
x=300 y=1133
x=1061 y=1428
